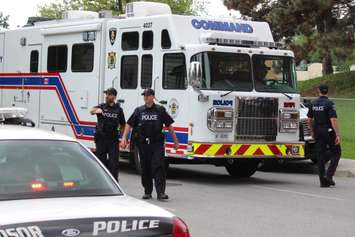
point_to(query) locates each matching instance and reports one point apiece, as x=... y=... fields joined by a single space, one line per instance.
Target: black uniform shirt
x=109 y=121
x=322 y=110
x=148 y=122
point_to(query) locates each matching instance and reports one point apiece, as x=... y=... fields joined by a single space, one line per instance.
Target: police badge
x=112 y=34
x=111 y=60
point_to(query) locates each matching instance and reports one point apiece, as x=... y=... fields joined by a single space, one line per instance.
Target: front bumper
x=255 y=150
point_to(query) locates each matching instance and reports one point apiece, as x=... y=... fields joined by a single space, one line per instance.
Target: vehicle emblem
x=71 y=232
x=112 y=35
x=111 y=60
x=174 y=108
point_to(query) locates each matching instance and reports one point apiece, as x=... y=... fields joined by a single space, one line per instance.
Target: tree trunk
x=327 y=64
x=119 y=5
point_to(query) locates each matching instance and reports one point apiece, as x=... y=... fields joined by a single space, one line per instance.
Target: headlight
x=228 y=125
x=220 y=120
x=289 y=121
x=228 y=114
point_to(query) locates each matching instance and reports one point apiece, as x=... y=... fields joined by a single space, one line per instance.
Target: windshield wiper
x=227 y=93
x=287 y=95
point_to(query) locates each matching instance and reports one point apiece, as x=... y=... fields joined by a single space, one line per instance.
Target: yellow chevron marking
x=213 y=149
x=282 y=149
x=251 y=150
x=235 y=148
x=210 y=152
x=266 y=150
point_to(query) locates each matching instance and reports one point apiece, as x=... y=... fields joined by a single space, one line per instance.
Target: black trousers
x=153 y=167
x=325 y=140
x=108 y=153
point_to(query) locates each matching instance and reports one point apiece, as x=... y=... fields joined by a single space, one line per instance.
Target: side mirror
x=195 y=75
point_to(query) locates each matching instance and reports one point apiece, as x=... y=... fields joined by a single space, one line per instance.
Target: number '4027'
x=148 y=25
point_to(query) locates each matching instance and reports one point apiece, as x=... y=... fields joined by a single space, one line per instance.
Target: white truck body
x=59 y=69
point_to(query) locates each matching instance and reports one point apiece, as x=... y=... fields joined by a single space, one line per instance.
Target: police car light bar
x=7 y=113
x=242 y=43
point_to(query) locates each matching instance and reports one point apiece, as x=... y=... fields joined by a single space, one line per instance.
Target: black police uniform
x=147 y=124
x=107 y=136
x=321 y=111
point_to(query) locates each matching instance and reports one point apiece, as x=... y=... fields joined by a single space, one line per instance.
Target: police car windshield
x=225 y=71
x=274 y=74
x=50 y=169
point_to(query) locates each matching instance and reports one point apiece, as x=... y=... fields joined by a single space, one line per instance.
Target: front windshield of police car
x=50 y=169
x=225 y=71
x=274 y=74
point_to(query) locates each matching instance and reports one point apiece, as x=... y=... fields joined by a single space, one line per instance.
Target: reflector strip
x=248 y=150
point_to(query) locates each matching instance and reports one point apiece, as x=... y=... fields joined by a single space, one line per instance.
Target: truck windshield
x=225 y=71
x=274 y=74
x=232 y=72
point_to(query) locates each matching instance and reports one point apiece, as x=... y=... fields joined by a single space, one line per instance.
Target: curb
x=345 y=173
x=346 y=168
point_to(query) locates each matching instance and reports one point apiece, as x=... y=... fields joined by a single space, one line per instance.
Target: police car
x=51 y=185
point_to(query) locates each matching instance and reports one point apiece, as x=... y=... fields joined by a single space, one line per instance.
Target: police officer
x=147 y=122
x=110 y=119
x=322 y=118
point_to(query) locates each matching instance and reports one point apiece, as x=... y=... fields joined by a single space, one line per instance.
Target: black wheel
x=137 y=161
x=242 y=168
x=268 y=164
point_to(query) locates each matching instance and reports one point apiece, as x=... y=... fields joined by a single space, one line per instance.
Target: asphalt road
x=286 y=201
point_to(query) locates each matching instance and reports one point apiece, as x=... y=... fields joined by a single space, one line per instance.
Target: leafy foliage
x=318 y=27
x=4 y=21
x=56 y=9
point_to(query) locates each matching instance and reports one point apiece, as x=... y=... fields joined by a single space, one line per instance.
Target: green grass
x=341 y=86
x=346 y=118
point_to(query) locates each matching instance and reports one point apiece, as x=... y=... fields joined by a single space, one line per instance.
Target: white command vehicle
x=229 y=88
x=51 y=185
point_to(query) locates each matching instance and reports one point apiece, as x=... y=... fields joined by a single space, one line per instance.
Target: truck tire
x=242 y=168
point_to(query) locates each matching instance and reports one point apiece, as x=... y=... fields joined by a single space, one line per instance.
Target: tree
x=56 y=9
x=4 y=21
x=323 y=23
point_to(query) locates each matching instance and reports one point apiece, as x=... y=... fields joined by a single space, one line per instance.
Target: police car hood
x=89 y=216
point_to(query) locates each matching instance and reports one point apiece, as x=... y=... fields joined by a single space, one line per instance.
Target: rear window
x=57 y=58
x=130 y=41
x=50 y=169
x=82 y=58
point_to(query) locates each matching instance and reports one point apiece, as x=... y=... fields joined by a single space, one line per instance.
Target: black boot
x=147 y=196
x=330 y=180
x=324 y=183
x=163 y=196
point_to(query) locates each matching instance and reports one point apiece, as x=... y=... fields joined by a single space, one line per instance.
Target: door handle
x=121 y=101
x=163 y=102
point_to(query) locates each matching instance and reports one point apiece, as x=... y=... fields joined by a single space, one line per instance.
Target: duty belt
x=150 y=140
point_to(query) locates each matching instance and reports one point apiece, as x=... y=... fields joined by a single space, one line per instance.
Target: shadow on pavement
x=204 y=174
x=291 y=167
x=207 y=174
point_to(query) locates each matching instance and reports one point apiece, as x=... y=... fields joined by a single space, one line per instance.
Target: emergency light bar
x=242 y=43
x=10 y=113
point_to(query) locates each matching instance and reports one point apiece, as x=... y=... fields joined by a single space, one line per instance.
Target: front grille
x=256 y=118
